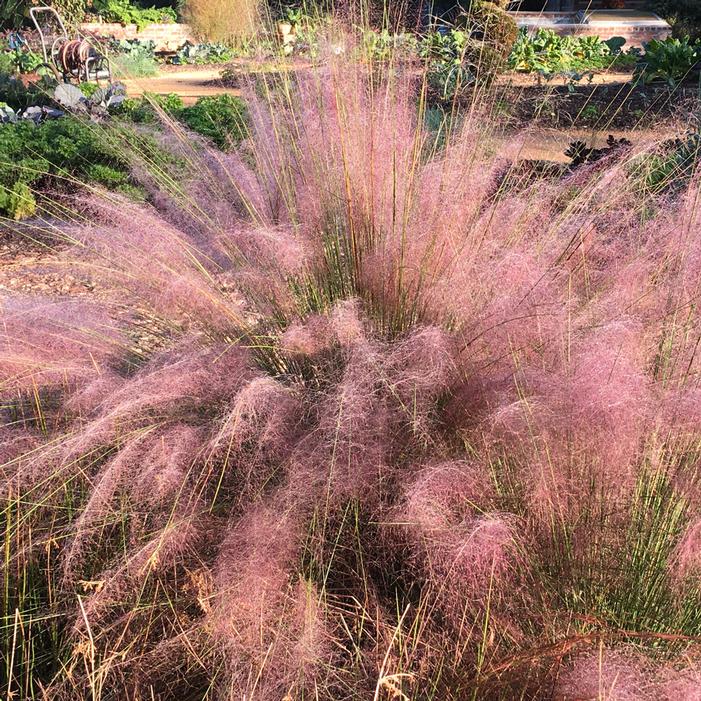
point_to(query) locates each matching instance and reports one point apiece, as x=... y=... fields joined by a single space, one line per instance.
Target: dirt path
x=189 y=82
x=193 y=82
x=514 y=79
x=550 y=144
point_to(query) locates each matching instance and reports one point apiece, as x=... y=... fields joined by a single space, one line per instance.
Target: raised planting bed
x=636 y=27
x=603 y=106
x=167 y=37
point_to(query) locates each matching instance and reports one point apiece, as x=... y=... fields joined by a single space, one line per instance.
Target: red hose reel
x=68 y=58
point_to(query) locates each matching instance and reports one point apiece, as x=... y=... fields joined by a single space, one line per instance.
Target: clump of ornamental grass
x=224 y=20
x=412 y=431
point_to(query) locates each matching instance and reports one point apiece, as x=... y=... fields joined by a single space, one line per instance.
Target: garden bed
x=604 y=105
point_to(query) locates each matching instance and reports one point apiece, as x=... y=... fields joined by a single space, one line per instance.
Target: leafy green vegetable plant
x=449 y=70
x=125 y=12
x=18 y=59
x=549 y=53
x=672 y=60
x=204 y=53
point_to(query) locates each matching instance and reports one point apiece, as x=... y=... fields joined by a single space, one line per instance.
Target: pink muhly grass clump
x=44 y=344
x=254 y=437
x=607 y=676
x=384 y=387
x=686 y=558
x=16 y=446
x=272 y=625
x=153 y=470
x=460 y=551
x=311 y=337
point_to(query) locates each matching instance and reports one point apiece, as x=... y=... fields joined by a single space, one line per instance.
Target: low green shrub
x=18 y=201
x=672 y=61
x=221 y=118
x=107 y=175
x=141 y=110
x=65 y=148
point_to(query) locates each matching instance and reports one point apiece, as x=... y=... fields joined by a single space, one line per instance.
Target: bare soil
x=189 y=82
x=603 y=105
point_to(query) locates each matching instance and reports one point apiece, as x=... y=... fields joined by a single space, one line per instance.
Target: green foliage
x=89 y=89
x=449 y=68
x=672 y=60
x=31 y=154
x=70 y=10
x=14 y=12
x=549 y=53
x=132 y=57
x=669 y=168
x=125 y=12
x=141 y=110
x=383 y=45
x=19 y=60
x=17 y=201
x=221 y=118
x=20 y=96
x=107 y=175
x=204 y=53
x=475 y=49
x=7 y=62
x=684 y=16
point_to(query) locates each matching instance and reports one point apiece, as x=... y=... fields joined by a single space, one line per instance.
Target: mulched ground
x=23 y=264
x=625 y=105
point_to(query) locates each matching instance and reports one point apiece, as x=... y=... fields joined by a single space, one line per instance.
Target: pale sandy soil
x=528 y=79
x=190 y=83
x=550 y=144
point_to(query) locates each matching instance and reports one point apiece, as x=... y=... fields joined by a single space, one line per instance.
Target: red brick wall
x=167 y=37
x=634 y=36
